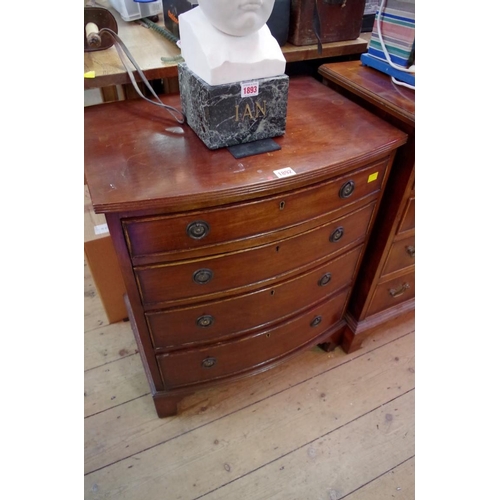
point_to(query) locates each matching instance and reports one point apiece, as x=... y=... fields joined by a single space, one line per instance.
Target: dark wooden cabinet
x=385 y=286
x=234 y=265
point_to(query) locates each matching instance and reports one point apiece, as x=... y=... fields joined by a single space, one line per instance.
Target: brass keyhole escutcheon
x=282 y=205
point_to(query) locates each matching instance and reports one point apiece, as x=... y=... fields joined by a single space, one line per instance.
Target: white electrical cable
x=386 y=53
x=403 y=84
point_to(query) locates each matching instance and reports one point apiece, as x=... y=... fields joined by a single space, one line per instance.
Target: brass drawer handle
x=337 y=234
x=202 y=276
x=410 y=250
x=208 y=362
x=397 y=292
x=205 y=321
x=347 y=189
x=198 y=229
x=325 y=279
x=316 y=321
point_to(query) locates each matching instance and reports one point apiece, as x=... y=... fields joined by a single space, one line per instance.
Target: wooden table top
x=148 y=47
x=374 y=86
x=138 y=158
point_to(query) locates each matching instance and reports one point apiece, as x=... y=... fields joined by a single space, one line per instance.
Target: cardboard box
x=103 y=263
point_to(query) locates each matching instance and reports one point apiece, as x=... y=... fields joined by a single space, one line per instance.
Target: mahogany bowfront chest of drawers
x=385 y=286
x=233 y=265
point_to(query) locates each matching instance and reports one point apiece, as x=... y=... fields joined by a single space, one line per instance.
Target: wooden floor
x=321 y=426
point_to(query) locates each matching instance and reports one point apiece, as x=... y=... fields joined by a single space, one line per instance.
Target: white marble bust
x=226 y=41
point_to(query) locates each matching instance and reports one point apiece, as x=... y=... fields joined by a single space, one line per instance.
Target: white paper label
x=284 y=172
x=249 y=89
x=101 y=229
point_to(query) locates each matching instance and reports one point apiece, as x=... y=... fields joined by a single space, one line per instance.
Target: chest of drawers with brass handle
x=385 y=287
x=231 y=269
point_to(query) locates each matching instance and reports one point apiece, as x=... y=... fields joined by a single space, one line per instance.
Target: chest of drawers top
x=139 y=161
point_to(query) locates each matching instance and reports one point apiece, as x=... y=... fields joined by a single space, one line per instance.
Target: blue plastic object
x=380 y=65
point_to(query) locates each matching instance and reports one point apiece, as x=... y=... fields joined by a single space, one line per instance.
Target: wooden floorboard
x=322 y=425
x=397 y=483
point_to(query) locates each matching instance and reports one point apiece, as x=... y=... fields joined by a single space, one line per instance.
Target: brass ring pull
x=325 y=279
x=202 y=276
x=410 y=250
x=347 y=189
x=337 y=234
x=205 y=321
x=316 y=321
x=208 y=362
x=198 y=229
x=397 y=292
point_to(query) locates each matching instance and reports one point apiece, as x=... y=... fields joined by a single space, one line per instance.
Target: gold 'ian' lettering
x=259 y=109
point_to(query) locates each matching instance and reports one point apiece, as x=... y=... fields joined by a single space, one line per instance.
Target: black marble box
x=222 y=116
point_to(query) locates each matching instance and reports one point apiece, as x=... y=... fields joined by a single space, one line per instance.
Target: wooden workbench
x=148 y=47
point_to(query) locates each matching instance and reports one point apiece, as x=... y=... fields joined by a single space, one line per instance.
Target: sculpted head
x=237 y=17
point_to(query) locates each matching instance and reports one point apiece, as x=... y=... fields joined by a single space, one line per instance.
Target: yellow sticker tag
x=89 y=74
x=373 y=177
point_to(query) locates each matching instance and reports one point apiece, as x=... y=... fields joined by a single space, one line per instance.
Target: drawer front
x=392 y=293
x=222 y=360
x=223 y=318
x=162 y=235
x=408 y=219
x=202 y=277
x=401 y=255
